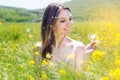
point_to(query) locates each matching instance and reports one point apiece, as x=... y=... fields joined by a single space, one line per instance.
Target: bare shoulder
x=80 y=47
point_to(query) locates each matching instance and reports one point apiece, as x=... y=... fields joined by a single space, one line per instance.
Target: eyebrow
x=65 y=18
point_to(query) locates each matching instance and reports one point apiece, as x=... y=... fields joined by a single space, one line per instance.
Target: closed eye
x=62 y=21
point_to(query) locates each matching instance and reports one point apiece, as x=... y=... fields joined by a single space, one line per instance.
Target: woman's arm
x=79 y=57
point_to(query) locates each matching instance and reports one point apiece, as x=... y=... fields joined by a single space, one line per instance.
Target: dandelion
x=62 y=72
x=31 y=62
x=104 y=78
x=37 y=53
x=44 y=62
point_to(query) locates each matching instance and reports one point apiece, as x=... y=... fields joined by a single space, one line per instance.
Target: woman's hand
x=91 y=47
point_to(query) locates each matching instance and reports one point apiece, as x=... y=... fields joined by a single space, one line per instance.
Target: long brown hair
x=47 y=33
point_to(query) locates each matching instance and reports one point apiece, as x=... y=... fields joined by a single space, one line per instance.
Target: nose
x=69 y=23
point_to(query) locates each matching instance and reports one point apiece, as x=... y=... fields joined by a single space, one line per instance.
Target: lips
x=66 y=29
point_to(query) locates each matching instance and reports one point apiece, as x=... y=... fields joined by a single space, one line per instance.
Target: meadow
x=17 y=44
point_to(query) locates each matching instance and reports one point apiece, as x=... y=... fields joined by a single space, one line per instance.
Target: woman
x=55 y=27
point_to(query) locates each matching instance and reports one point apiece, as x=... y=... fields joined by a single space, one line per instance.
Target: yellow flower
x=30 y=77
x=44 y=62
x=88 y=68
x=37 y=53
x=117 y=62
x=111 y=73
x=104 y=78
x=91 y=74
x=30 y=35
x=31 y=62
x=117 y=36
x=109 y=24
x=34 y=47
x=115 y=74
x=62 y=72
x=97 y=55
x=48 y=55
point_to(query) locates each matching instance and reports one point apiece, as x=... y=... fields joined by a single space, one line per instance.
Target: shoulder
x=77 y=45
x=80 y=47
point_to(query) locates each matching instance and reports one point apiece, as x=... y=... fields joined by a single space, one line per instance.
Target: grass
x=17 y=41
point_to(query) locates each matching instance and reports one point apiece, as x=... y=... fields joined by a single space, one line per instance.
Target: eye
x=70 y=19
x=62 y=21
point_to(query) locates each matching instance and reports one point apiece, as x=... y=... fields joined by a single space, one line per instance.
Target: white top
x=66 y=55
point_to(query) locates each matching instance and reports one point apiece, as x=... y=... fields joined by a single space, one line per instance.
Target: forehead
x=64 y=13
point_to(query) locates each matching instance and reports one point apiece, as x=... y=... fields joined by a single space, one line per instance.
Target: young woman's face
x=64 y=22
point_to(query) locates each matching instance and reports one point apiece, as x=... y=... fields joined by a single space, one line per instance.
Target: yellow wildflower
x=91 y=74
x=37 y=53
x=117 y=62
x=30 y=35
x=62 y=71
x=111 y=73
x=115 y=74
x=31 y=62
x=30 y=77
x=104 y=78
x=117 y=36
x=44 y=62
x=109 y=24
x=34 y=47
x=88 y=68
x=97 y=55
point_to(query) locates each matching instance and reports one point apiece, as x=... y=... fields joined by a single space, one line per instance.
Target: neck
x=59 y=40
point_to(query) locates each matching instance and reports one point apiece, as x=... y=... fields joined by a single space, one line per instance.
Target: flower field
x=17 y=61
